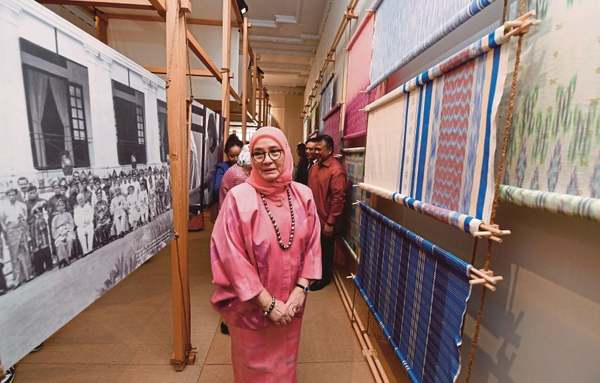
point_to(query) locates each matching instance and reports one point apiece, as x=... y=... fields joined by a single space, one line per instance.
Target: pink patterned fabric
x=234 y=176
x=245 y=259
x=453 y=134
x=358 y=72
x=332 y=128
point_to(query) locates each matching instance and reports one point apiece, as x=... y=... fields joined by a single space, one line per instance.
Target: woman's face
x=233 y=154
x=268 y=169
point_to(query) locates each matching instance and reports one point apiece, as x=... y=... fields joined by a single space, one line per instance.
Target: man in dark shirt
x=327 y=180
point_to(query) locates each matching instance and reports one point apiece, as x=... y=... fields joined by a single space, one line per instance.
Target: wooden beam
x=238 y=14
x=235 y=95
x=159 y=5
x=130 y=4
x=101 y=28
x=203 y=56
x=225 y=69
x=178 y=154
x=190 y=72
x=254 y=86
x=245 y=60
x=152 y=18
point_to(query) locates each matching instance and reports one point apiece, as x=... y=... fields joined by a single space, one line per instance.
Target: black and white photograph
x=86 y=198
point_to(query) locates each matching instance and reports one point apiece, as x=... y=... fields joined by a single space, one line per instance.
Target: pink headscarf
x=285 y=178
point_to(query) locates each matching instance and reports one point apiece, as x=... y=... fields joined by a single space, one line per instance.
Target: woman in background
x=233 y=147
x=236 y=174
x=265 y=249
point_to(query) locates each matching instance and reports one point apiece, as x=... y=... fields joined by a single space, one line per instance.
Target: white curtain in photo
x=37 y=89
x=60 y=92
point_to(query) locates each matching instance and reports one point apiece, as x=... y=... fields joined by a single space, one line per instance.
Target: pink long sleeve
x=232 y=268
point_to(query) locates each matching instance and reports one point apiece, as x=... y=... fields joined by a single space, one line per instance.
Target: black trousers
x=327 y=244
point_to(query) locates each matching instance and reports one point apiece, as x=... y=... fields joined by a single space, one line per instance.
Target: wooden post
x=261 y=100
x=178 y=153
x=245 y=78
x=226 y=59
x=101 y=27
x=266 y=107
x=254 y=84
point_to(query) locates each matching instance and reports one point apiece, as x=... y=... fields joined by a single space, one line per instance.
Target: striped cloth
x=355 y=169
x=399 y=39
x=433 y=139
x=418 y=293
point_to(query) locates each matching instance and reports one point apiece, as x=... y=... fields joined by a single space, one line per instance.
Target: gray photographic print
x=85 y=194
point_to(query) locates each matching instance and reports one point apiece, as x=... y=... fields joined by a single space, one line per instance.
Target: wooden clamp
x=484 y=277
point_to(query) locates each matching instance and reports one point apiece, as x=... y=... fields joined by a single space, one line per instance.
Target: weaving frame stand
x=520 y=30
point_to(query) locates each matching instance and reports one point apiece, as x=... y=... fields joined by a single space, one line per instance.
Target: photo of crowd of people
x=50 y=225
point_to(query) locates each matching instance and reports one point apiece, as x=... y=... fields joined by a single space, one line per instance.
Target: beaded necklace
x=277 y=231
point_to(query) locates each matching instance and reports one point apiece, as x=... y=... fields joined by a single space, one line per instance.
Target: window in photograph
x=57 y=97
x=130 y=124
x=162 y=130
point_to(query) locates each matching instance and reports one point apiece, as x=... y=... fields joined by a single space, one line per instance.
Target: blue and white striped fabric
x=405 y=28
x=418 y=293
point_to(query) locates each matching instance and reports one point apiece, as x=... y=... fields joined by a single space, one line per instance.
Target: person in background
x=13 y=217
x=118 y=211
x=264 y=252
x=39 y=234
x=62 y=232
x=102 y=221
x=311 y=145
x=23 y=184
x=301 y=172
x=133 y=209
x=236 y=174
x=84 y=220
x=233 y=147
x=327 y=180
x=143 y=202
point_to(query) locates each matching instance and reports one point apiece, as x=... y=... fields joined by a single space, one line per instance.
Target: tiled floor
x=126 y=335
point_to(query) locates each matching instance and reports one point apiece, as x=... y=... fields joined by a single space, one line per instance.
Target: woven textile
x=357 y=73
x=442 y=125
x=554 y=152
x=332 y=128
x=405 y=28
x=355 y=169
x=328 y=101
x=418 y=293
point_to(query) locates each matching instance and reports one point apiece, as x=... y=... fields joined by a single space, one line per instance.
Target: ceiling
x=285 y=34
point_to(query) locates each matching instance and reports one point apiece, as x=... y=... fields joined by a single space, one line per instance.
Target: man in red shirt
x=327 y=180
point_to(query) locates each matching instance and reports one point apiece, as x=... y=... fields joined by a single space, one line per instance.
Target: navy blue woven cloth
x=418 y=293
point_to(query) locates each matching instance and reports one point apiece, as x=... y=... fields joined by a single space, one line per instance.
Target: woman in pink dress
x=265 y=250
x=236 y=174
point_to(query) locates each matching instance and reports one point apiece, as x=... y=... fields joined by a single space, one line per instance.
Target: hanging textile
x=328 y=101
x=332 y=127
x=354 y=162
x=418 y=293
x=398 y=39
x=553 y=159
x=357 y=78
x=431 y=142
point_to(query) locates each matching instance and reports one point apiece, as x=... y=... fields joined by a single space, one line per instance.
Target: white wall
x=144 y=42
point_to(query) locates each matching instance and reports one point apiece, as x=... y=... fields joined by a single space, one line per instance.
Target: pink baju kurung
x=245 y=259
